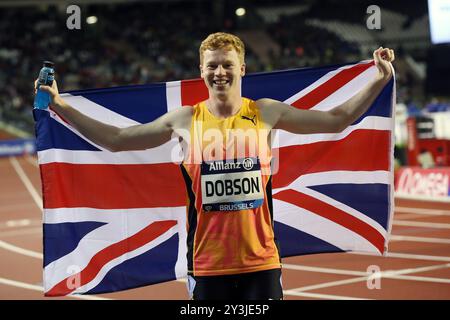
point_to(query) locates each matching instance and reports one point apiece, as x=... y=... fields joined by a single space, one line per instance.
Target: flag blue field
x=114 y=221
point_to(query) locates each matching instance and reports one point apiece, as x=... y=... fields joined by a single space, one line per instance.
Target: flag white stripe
x=119 y=223
x=98 y=112
x=78 y=259
x=319 y=82
x=171 y=151
x=392 y=162
x=300 y=187
x=368 y=123
x=342 y=176
x=173 y=93
x=81 y=214
x=347 y=209
x=126 y=256
x=63 y=215
x=347 y=91
x=57 y=118
x=320 y=227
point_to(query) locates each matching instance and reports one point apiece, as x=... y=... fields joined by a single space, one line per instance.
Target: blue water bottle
x=46 y=77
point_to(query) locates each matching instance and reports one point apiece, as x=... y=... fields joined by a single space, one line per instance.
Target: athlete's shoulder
x=183 y=111
x=249 y=104
x=265 y=102
x=268 y=110
x=270 y=104
x=198 y=106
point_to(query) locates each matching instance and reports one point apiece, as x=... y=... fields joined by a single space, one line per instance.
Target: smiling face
x=222 y=70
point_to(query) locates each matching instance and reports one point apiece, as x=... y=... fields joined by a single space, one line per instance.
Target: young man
x=232 y=250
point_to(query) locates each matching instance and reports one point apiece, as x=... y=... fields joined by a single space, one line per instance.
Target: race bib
x=230 y=185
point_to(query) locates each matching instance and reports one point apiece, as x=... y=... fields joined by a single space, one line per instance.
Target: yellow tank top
x=229 y=204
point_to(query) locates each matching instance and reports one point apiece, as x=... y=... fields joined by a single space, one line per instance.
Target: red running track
x=416 y=267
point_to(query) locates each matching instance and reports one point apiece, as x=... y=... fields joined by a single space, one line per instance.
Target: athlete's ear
x=242 y=69
x=201 y=71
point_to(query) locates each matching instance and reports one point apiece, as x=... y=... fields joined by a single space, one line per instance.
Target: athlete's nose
x=220 y=70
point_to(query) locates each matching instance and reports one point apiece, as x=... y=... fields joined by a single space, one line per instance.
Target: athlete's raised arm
x=279 y=115
x=113 y=138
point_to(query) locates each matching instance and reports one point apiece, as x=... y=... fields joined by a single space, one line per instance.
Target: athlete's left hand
x=383 y=58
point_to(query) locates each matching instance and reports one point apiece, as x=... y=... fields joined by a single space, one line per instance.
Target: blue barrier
x=17 y=147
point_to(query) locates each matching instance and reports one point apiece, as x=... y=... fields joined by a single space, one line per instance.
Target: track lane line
x=330 y=284
x=33 y=287
x=388 y=274
x=419 y=239
x=26 y=181
x=433 y=212
x=422 y=224
x=405 y=256
x=382 y=274
x=414 y=216
x=21 y=232
x=323 y=270
x=421 y=198
x=22 y=251
x=320 y=296
x=14 y=206
x=19 y=224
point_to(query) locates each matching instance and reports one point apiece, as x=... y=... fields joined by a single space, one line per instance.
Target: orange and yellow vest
x=229 y=204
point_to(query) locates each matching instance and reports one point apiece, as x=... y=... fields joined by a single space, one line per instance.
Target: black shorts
x=261 y=285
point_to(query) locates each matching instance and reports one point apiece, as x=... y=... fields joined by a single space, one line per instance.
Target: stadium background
x=138 y=42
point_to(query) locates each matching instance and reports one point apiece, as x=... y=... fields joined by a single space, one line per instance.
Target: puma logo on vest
x=250 y=119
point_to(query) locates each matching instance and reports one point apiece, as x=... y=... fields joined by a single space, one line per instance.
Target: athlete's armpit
x=155 y=133
x=279 y=115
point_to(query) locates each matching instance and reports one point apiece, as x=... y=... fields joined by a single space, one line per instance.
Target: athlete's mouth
x=220 y=82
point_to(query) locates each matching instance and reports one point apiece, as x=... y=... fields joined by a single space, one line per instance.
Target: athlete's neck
x=224 y=107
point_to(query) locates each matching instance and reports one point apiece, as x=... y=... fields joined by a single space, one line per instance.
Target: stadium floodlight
x=91 y=20
x=439 y=16
x=240 y=12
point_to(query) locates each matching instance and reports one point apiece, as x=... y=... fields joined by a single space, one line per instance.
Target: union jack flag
x=114 y=221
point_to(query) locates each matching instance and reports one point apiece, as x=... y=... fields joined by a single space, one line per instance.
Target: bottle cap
x=48 y=64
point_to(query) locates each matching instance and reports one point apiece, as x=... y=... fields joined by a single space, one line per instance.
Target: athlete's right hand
x=55 y=98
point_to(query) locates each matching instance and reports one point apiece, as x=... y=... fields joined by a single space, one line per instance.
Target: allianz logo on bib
x=234 y=165
x=248 y=163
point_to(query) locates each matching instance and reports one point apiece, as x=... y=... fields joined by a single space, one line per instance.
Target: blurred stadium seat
x=137 y=42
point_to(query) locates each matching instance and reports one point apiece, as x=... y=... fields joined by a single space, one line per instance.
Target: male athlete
x=232 y=250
